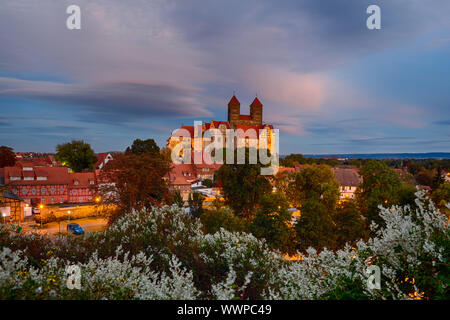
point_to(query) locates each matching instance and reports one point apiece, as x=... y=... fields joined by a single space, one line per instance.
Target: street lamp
x=98 y=199
x=68 y=216
x=41 y=206
x=4 y=218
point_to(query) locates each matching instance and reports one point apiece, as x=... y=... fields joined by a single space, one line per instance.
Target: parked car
x=74 y=228
x=36 y=210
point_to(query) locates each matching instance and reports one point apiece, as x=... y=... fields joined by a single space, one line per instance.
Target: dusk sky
x=139 y=69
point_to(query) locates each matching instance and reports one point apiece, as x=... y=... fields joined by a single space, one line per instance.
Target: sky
x=140 y=69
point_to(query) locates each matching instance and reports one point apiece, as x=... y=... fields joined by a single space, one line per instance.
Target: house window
x=24 y=191
x=52 y=190
x=61 y=190
x=43 y=200
x=75 y=182
x=43 y=190
x=91 y=182
x=33 y=191
x=61 y=199
x=14 y=178
x=53 y=200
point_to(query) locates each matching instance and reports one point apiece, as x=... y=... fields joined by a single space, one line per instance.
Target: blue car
x=74 y=228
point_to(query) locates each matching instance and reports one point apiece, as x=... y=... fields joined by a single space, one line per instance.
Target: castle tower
x=256 y=109
x=234 y=110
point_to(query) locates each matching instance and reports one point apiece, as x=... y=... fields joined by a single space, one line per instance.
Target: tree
x=314 y=228
x=143 y=146
x=196 y=204
x=135 y=181
x=380 y=186
x=208 y=183
x=350 y=226
x=213 y=220
x=272 y=222
x=318 y=183
x=406 y=195
x=78 y=155
x=178 y=199
x=425 y=177
x=441 y=196
x=243 y=186
x=7 y=157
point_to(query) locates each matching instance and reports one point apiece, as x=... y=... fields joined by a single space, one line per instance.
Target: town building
x=102 y=159
x=349 y=180
x=48 y=185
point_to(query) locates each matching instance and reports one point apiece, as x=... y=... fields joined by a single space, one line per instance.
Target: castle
x=235 y=118
x=249 y=128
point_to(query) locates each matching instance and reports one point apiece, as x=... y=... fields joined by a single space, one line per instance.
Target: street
x=91 y=224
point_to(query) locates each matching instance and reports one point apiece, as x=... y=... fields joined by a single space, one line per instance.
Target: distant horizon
x=374 y=155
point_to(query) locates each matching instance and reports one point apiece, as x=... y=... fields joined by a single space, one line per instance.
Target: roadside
x=90 y=224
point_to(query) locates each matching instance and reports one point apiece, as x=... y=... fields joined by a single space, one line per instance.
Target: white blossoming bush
x=111 y=278
x=164 y=254
x=411 y=250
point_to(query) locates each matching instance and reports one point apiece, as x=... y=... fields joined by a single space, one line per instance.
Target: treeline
x=425 y=172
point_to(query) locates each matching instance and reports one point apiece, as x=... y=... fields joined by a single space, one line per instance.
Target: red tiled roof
x=12 y=172
x=101 y=158
x=83 y=179
x=234 y=101
x=245 y=117
x=31 y=163
x=243 y=130
x=182 y=133
x=256 y=103
x=55 y=175
x=217 y=123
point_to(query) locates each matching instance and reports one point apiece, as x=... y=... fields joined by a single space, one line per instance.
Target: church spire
x=234 y=101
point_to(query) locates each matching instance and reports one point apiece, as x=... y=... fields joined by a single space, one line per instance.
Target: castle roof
x=234 y=101
x=256 y=103
x=245 y=117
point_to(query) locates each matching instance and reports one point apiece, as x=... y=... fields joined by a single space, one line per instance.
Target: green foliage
x=441 y=196
x=243 y=186
x=294 y=159
x=380 y=186
x=138 y=181
x=272 y=222
x=315 y=228
x=349 y=225
x=208 y=183
x=213 y=220
x=426 y=177
x=178 y=199
x=143 y=146
x=78 y=155
x=196 y=204
x=406 y=195
x=316 y=183
x=7 y=157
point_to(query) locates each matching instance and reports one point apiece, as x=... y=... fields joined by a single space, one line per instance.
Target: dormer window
x=91 y=182
x=75 y=182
